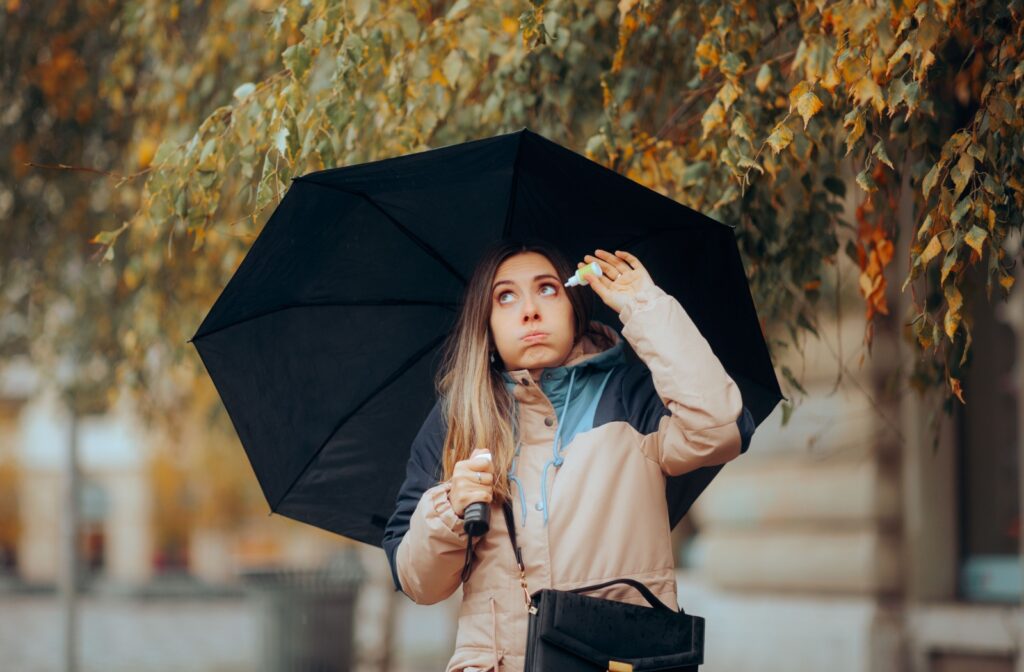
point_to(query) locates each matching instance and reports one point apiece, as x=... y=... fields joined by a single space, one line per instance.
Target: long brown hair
x=478 y=407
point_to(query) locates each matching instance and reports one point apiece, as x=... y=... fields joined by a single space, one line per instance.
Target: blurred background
x=874 y=523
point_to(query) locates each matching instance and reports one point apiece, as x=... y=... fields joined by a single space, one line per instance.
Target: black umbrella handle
x=477 y=519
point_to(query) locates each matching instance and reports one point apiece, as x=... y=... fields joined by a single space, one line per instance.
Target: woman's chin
x=537 y=358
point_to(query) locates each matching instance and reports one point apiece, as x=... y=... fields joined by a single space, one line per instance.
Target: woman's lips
x=534 y=337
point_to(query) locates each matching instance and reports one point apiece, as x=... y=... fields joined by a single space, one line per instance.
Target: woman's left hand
x=623 y=277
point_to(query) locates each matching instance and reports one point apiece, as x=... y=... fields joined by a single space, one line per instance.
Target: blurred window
x=989 y=470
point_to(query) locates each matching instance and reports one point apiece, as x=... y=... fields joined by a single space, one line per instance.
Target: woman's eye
x=552 y=287
x=547 y=285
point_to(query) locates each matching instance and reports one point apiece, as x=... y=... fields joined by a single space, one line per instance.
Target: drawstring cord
x=556 y=448
x=512 y=478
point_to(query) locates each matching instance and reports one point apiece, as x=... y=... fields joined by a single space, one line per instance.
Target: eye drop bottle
x=579 y=277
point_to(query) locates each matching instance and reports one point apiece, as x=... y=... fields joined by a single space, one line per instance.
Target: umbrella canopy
x=324 y=344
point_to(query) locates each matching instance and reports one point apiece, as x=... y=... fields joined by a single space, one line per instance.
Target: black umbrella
x=324 y=343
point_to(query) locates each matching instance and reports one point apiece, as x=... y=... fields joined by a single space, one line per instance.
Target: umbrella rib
x=422 y=244
x=373 y=303
x=512 y=189
x=406 y=365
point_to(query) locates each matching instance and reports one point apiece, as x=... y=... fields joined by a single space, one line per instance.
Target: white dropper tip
x=575 y=280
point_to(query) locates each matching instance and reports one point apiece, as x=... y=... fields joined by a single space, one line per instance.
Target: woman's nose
x=530 y=308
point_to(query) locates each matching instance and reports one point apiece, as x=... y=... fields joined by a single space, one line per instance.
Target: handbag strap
x=644 y=590
x=510 y=522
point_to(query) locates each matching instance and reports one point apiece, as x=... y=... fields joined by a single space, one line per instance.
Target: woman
x=581 y=443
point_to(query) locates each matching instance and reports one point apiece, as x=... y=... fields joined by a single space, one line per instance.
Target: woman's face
x=527 y=296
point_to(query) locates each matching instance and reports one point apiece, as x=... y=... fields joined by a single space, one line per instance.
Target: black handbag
x=569 y=631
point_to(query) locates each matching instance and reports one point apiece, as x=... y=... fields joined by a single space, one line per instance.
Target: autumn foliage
x=760 y=114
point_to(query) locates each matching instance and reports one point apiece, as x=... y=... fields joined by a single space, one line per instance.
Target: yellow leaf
x=728 y=95
x=856 y=119
x=509 y=25
x=808 y=106
x=927 y=58
x=713 y=117
x=437 y=77
x=925 y=227
x=145 y=152
x=831 y=79
x=932 y=249
x=947 y=266
x=930 y=179
x=866 y=90
x=975 y=237
x=764 y=78
x=799 y=90
x=951 y=323
x=900 y=52
x=780 y=138
x=626 y=5
x=1006 y=281
x=965 y=169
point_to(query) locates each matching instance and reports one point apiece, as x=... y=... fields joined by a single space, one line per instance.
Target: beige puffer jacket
x=597 y=440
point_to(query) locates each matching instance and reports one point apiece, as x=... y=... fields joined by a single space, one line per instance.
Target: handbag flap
x=599 y=630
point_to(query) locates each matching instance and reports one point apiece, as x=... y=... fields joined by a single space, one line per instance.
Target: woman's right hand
x=472 y=481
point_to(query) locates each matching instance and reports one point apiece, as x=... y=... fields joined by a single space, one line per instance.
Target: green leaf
x=452 y=66
x=787 y=412
x=315 y=31
x=993 y=187
x=960 y=210
x=931 y=178
x=695 y=172
x=866 y=182
x=879 y=151
x=297 y=58
x=780 y=138
x=976 y=237
x=802 y=321
x=791 y=379
x=851 y=251
x=747 y=162
x=835 y=185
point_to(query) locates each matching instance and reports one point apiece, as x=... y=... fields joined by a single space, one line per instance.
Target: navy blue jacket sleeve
x=423 y=471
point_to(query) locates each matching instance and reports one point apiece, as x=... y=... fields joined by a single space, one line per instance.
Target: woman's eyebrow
x=535 y=279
